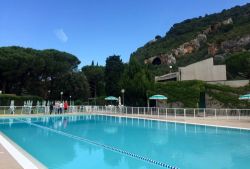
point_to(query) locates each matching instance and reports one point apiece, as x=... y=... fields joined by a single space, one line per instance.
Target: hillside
x=219 y=35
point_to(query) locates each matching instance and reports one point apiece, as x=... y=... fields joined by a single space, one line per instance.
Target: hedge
x=188 y=92
x=5 y=99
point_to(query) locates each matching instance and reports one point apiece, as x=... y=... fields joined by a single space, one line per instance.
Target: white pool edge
x=173 y=121
x=24 y=159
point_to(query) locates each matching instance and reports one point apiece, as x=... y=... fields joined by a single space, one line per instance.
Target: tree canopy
x=136 y=81
x=238 y=65
x=95 y=76
x=26 y=71
x=113 y=72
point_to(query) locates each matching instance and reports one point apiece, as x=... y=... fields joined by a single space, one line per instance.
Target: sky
x=96 y=29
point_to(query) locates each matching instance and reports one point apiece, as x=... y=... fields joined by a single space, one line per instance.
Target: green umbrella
x=158 y=97
x=245 y=97
x=111 y=98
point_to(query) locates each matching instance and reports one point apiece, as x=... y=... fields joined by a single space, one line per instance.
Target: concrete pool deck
x=216 y=122
x=14 y=157
x=7 y=161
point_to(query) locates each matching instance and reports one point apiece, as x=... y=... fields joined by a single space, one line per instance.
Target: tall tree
x=113 y=73
x=26 y=71
x=95 y=76
x=136 y=81
x=72 y=84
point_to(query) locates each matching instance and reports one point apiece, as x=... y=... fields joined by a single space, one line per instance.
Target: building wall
x=204 y=70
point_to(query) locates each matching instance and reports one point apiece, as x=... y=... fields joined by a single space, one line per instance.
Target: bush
x=187 y=92
x=5 y=99
x=229 y=96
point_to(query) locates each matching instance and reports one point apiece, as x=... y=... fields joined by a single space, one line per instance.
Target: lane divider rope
x=114 y=149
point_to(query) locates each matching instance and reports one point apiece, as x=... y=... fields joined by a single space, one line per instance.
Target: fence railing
x=172 y=112
x=134 y=111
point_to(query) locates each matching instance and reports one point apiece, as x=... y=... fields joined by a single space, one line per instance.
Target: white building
x=204 y=70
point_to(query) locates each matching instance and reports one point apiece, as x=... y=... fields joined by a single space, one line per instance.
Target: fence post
x=204 y=113
x=194 y=113
x=215 y=113
x=166 y=113
x=226 y=114
x=158 y=112
x=144 y=110
x=175 y=113
x=239 y=114
x=126 y=110
x=132 y=110
x=151 y=111
x=138 y=110
x=184 y=113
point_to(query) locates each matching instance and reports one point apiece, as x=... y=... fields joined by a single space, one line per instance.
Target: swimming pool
x=106 y=142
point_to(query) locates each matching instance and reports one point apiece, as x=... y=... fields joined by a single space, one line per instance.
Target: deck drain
x=114 y=149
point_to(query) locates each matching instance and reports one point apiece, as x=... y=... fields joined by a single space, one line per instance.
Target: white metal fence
x=134 y=111
x=172 y=112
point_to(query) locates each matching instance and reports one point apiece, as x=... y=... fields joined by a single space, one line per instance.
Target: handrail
x=160 y=112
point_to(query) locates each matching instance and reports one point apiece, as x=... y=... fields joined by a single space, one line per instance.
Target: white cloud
x=61 y=35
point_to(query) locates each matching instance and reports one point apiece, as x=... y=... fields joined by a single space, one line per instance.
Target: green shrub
x=229 y=96
x=187 y=92
x=5 y=99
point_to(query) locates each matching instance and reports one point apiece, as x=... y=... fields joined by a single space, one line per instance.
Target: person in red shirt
x=65 y=106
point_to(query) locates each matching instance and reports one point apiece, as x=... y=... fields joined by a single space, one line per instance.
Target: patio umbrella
x=245 y=97
x=111 y=98
x=158 y=97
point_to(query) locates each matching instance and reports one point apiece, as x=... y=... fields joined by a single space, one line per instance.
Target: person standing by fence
x=65 y=106
x=51 y=108
x=57 y=108
x=61 y=107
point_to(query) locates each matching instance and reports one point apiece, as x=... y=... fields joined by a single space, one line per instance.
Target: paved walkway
x=7 y=161
x=234 y=122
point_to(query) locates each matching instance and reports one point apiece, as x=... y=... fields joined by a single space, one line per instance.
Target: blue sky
x=96 y=29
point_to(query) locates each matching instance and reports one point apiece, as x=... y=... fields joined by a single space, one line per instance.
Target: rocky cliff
x=190 y=46
x=192 y=40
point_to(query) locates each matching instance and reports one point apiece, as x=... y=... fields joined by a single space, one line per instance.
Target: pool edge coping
x=174 y=121
x=22 y=157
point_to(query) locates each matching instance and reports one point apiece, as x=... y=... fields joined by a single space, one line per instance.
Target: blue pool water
x=104 y=142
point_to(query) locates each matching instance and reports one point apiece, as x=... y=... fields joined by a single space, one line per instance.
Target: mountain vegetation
x=225 y=33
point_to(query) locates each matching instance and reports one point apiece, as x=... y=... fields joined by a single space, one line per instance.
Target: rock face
x=235 y=45
x=189 y=47
x=161 y=59
x=212 y=49
x=229 y=46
